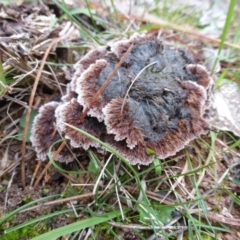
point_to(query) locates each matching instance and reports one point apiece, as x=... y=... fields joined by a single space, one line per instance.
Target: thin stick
x=49 y=164
x=101 y=174
x=85 y=195
x=106 y=82
x=125 y=97
x=23 y=148
x=142 y=227
x=41 y=174
x=35 y=172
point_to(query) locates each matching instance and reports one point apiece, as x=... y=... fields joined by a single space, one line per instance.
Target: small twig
x=178 y=181
x=101 y=174
x=106 y=82
x=35 y=172
x=41 y=174
x=150 y=18
x=138 y=13
x=49 y=164
x=8 y=187
x=85 y=195
x=11 y=167
x=71 y=179
x=37 y=79
x=15 y=164
x=155 y=196
x=141 y=227
x=226 y=147
x=16 y=101
x=221 y=219
x=133 y=81
x=117 y=185
x=56 y=80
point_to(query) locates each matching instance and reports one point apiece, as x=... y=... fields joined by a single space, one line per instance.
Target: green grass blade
x=73 y=227
x=4 y=219
x=112 y=150
x=54 y=163
x=116 y=153
x=2 y=79
x=65 y=9
x=42 y=218
x=230 y=15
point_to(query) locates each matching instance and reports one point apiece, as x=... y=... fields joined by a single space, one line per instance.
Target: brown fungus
x=156 y=100
x=43 y=130
x=70 y=94
x=70 y=113
x=87 y=88
x=44 y=134
x=137 y=155
x=84 y=64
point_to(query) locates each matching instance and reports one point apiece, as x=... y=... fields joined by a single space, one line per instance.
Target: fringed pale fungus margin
x=44 y=134
x=156 y=100
x=70 y=112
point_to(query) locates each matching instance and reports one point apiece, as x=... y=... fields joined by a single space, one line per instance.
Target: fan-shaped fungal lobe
x=137 y=155
x=44 y=134
x=43 y=130
x=156 y=100
x=70 y=112
x=85 y=62
x=70 y=94
x=87 y=88
x=119 y=122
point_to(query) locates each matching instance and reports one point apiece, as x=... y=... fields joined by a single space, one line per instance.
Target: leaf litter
x=25 y=34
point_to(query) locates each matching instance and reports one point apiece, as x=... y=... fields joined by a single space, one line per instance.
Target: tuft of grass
x=229 y=19
x=79 y=225
x=3 y=83
x=70 y=15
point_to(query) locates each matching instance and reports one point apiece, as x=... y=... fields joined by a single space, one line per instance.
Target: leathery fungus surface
x=155 y=100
